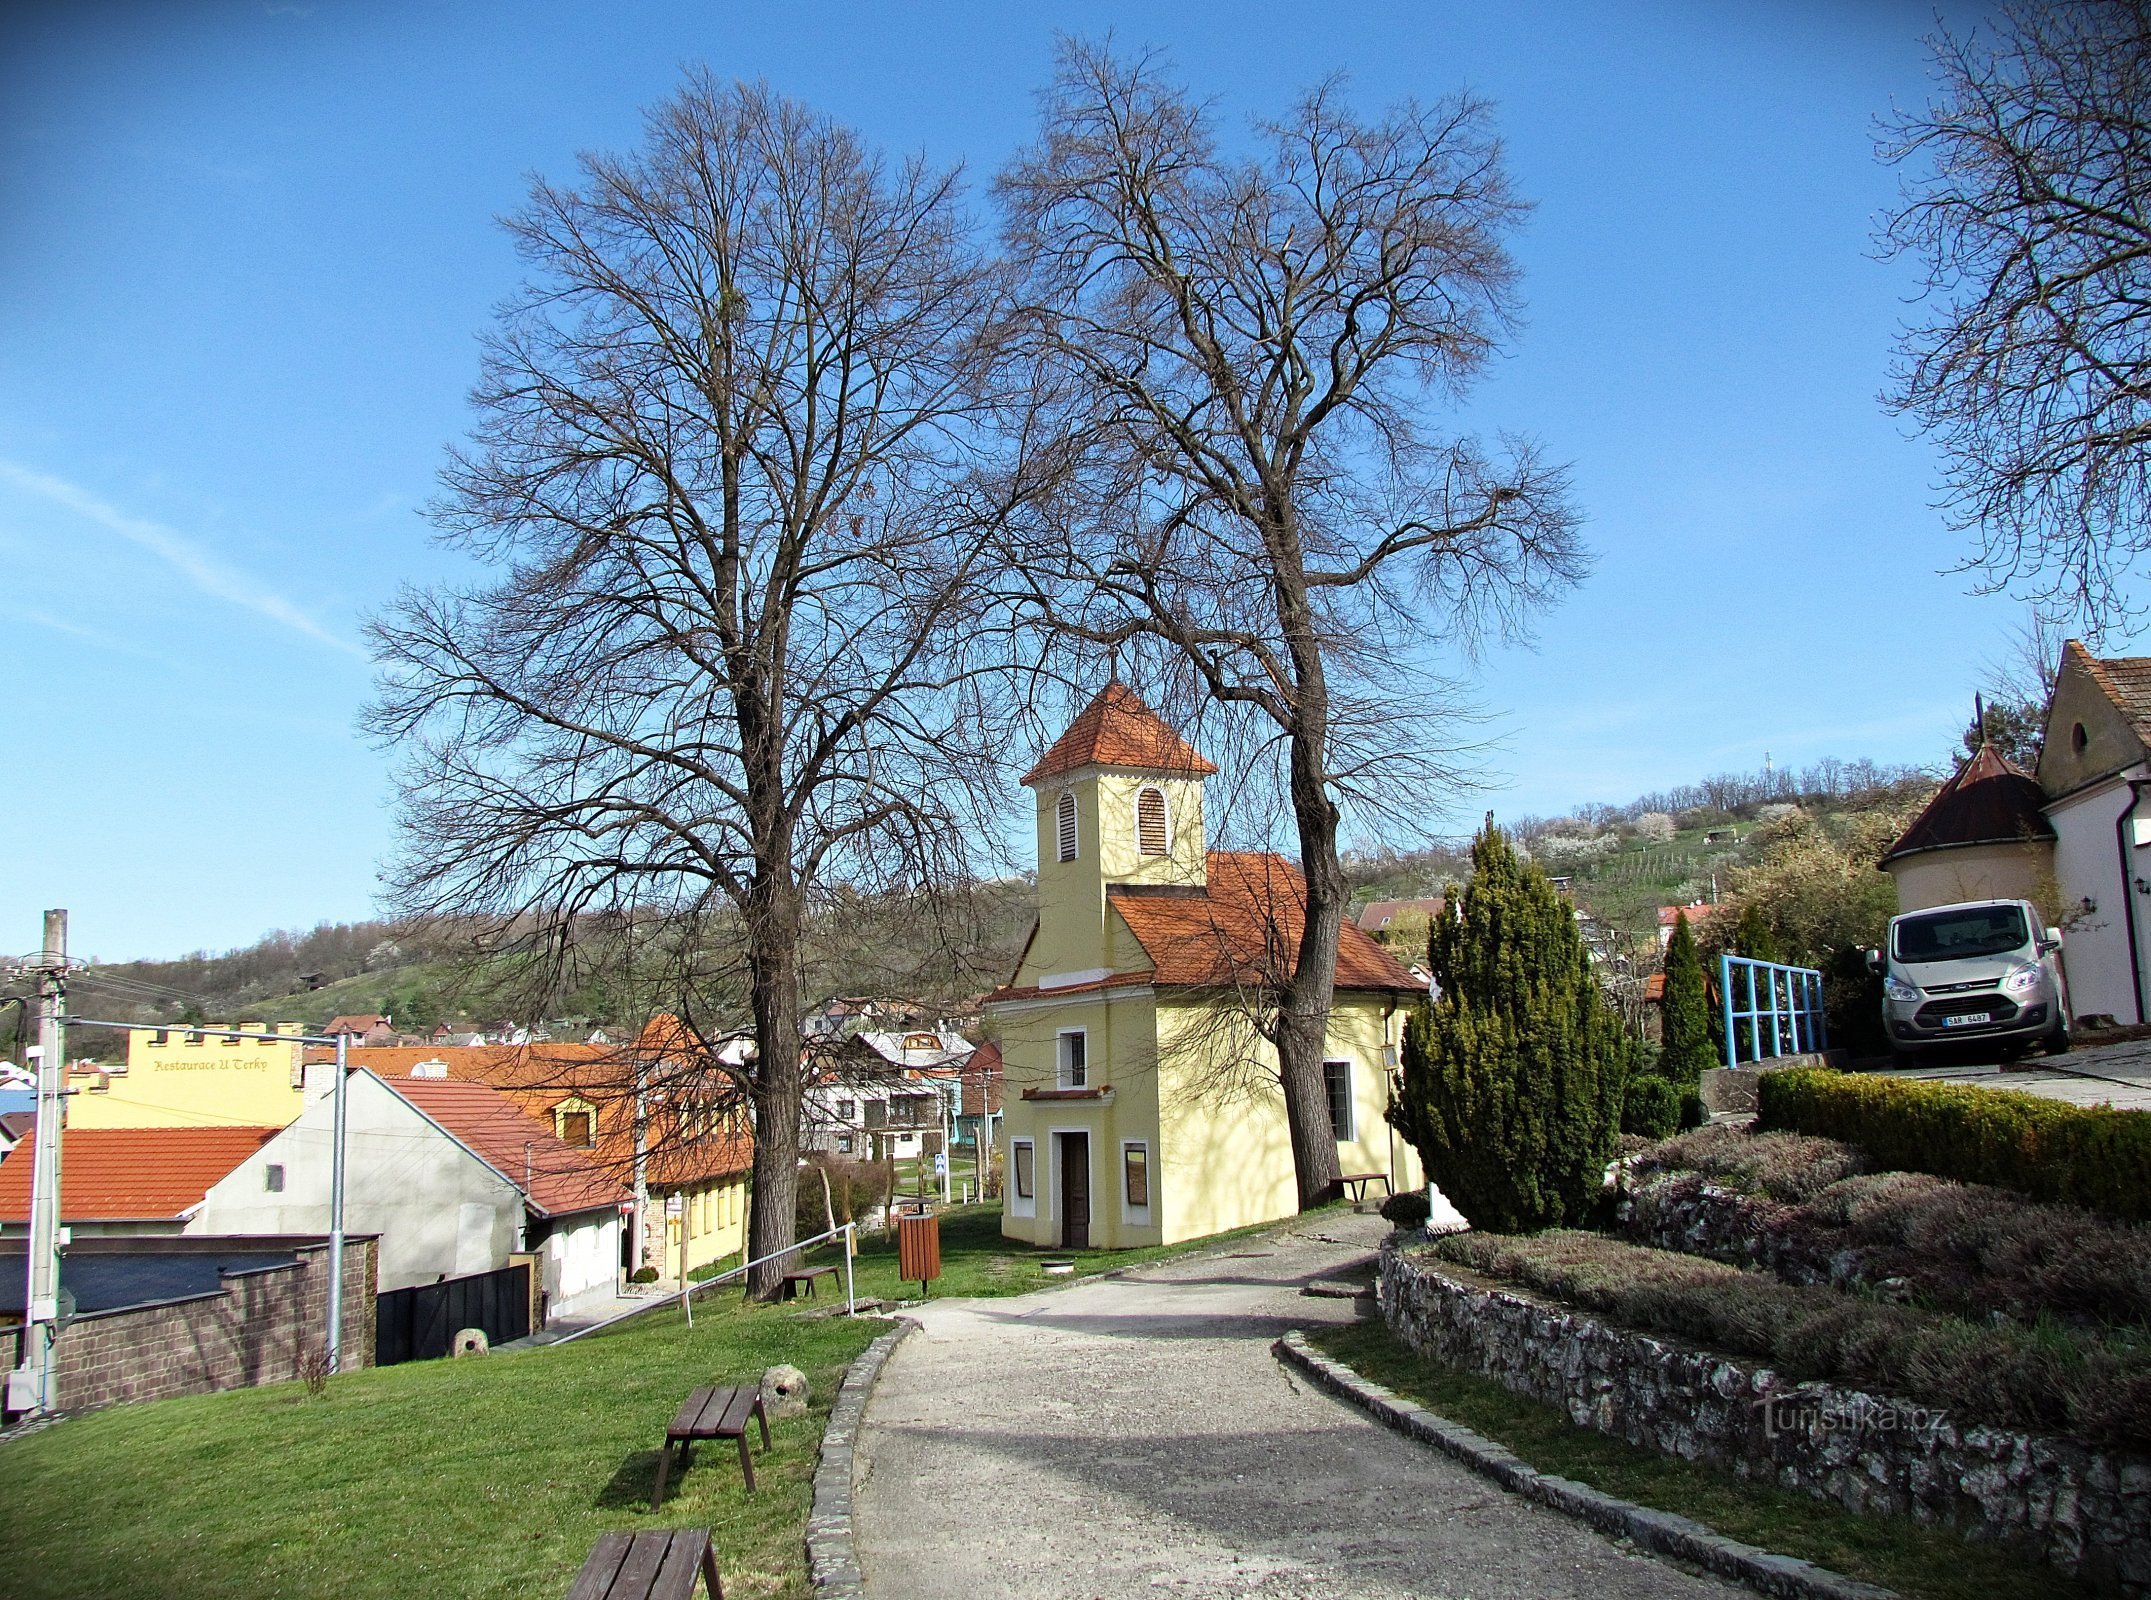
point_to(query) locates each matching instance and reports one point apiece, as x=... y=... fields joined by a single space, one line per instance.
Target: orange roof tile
x=1117 y=730
x=556 y=1178
x=131 y=1174
x=1243 y=927
x=537 y=1077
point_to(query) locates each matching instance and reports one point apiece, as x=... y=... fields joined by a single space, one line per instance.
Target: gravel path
x=1134 y=1436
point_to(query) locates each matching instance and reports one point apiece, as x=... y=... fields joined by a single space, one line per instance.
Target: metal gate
x=418 y=1324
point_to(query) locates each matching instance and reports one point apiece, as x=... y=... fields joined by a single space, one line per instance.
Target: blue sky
x=245 y=249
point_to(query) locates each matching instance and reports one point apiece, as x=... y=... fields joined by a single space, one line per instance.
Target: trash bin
x=918 y=1247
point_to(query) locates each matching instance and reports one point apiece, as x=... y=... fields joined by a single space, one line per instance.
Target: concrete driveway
x=1134 y=1436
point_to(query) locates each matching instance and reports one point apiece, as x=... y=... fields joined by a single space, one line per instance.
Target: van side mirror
x=2051 y=942
x=1874 y=960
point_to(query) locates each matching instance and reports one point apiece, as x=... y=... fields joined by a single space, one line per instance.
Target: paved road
x=2117 y=1075
x=1134 y=1436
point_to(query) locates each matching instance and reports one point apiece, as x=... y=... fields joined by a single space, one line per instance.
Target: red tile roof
x=1117 y=730
x=555 y=1177
x=537 y=1077
x=1243 y=927
x=1991 y=800
x=131 y=1174
x=1697 y=914
x=2125 y=680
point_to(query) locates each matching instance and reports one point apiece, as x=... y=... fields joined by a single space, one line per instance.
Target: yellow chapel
x=1141 y=1103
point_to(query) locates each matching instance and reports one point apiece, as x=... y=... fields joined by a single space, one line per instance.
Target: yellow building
x=196 y=1078
x=1141 y=1103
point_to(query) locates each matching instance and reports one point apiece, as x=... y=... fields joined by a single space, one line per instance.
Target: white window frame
x=1165 y=805
x=1068 y=833
x=1137 y=1216
x=1022 y=1205
x=1350 y=1133
x=1061 y=1076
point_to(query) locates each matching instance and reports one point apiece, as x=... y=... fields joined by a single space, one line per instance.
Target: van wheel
x=2057 y=1043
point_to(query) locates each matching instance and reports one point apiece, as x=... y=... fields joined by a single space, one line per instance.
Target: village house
x=1697 y=912
x=452 y=1176
x=132 y=1181
x=881 y=1096
x=194 y=1077
x=653 y=1115
x=2074 y=838
x=1142 y=1106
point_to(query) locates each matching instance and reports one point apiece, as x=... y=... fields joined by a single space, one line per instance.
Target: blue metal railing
x=1783 y=1011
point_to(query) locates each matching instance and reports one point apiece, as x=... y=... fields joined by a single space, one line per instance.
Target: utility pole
x=337 y=1117
x=30 y=1387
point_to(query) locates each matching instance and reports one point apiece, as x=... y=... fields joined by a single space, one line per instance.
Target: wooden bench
x=1355 y=1183
x=715 y=1413
x=660 y=1565
x=803 y=1279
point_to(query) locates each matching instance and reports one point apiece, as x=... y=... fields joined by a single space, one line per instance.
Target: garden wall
x=258 y=1328
x=2086 y=1512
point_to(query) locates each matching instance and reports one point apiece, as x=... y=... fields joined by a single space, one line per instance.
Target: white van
x=1981 y=970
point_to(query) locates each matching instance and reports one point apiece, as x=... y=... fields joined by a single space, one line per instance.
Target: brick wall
x=260 y=1328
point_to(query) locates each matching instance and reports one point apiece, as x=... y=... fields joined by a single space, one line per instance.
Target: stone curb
x=832 y=1551
x=1660 y=1531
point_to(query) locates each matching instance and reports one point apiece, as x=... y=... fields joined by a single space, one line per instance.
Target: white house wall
x=580 y=1258
x=2095 y=949
x=439 y=1210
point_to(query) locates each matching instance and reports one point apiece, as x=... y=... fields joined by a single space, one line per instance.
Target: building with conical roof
x=1984 y=836
x=1140 y=1103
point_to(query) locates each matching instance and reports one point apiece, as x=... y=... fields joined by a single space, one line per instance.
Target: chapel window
x=1150 y=839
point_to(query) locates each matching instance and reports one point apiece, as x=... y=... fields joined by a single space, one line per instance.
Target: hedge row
x=2089 y=1156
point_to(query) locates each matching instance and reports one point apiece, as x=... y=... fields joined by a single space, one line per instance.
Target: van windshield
x=1956 y=934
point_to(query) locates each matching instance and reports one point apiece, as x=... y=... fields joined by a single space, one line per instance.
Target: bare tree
x=1242 y=354
x=730 y=478
x=2032 y=370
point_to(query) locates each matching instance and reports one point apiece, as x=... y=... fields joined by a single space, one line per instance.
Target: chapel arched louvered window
x=1064 y=817
x=1150 y=823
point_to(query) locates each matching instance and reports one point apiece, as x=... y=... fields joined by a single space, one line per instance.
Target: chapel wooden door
x=1075 y=1190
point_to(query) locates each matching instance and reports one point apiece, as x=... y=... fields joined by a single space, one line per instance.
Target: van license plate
x=1968 y=1020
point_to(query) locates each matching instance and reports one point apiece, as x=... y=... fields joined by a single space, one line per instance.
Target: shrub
x=2045 y=1379
x=643 y=1275
x=1651 y=1107
x=1409 y=1209
x=1804 y=1208
x=2089 y=1156
x=1513 y=1077
x=1685 y=1011
x=1693 y=1113
x=1781 y=1166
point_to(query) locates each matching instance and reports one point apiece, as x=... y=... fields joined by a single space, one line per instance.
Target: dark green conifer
x=1684 y=1049
x=1513 y=1077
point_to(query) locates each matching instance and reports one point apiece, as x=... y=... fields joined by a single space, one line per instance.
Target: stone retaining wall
x=2086 y=1512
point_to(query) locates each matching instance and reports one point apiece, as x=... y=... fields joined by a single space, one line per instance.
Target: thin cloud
x=89 y=636
x=201 y=568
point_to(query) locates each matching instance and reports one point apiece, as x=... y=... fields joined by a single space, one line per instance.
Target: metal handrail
x=847 y=1230
x=1791 y=1008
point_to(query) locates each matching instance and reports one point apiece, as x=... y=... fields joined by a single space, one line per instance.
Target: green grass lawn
x=486 y=1479
x=1927 y=1563
x=976 y=1260
x=477 y=1478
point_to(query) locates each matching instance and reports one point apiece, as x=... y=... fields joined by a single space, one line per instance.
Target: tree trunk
x=1303 y=1016
x=773 y=935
